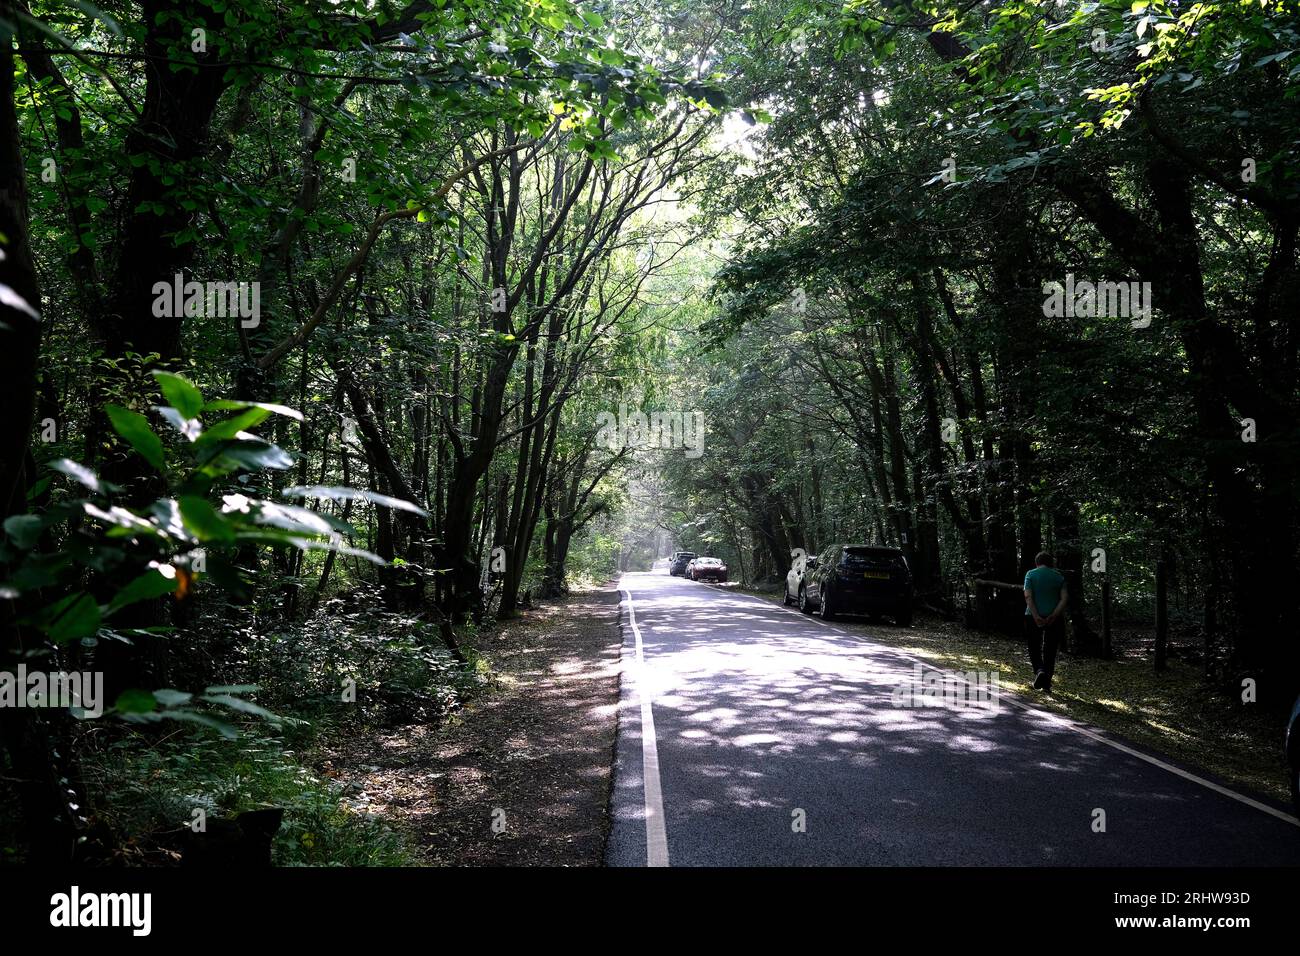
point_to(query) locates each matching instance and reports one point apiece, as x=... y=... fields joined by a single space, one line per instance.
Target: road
x=750 y=734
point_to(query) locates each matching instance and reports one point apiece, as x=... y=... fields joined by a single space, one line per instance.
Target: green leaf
x=68 y=619
x=37 y=490
x=93 y=11
x=180 y=394
x=16 y=302
x=83 y=475
x=172 y=698
x=23 y=530
x=149 y=585
x=228 y=404
x=298 y=520
x=204 y=520
x=257 y=455
x=122 y=522
x=239 y=704
x=135 y=701
x=191 y=428
x=715 y=98
x=353 y=494
x=134 y=427
x=231 y=427
x=203 y=720
x=308 y=544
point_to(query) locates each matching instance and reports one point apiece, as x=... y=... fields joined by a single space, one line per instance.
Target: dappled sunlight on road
x=762 y=712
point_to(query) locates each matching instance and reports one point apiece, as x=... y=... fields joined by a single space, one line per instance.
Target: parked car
x=707 y=569
x=859 y=579
x=677 y=567
x=794 y=577
x=1293 y=753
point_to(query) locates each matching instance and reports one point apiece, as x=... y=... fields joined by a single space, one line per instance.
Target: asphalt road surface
x=750 y=734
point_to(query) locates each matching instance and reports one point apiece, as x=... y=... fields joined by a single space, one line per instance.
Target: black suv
x=677 y=566
x=859 y=579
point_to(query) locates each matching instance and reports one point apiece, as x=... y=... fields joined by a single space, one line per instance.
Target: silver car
x=794 y=577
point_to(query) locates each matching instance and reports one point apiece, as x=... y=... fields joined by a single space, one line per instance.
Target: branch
x=1253 y=193
x=358 y=259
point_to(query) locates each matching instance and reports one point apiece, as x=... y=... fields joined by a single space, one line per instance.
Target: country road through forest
x=744 y=723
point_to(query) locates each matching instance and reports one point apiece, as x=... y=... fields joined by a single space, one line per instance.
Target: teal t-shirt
x=1044 y=586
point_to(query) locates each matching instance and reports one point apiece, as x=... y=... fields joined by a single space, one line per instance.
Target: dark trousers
x=1043 y=642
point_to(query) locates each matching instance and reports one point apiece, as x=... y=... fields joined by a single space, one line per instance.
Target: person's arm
x=1060 y=605
x=1029 y=603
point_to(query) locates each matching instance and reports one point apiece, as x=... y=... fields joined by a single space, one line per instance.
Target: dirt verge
x=522 y=776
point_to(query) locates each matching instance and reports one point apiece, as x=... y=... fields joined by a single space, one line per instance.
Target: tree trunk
x=30 y=734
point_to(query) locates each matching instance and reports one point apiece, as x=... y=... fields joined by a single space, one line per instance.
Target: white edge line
x=656 y=836
x=1050 y=717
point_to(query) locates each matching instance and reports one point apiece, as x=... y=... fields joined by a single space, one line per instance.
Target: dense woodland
x=475 y=228
x=885 y=368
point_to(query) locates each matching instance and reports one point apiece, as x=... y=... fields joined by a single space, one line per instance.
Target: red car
x=707 y=569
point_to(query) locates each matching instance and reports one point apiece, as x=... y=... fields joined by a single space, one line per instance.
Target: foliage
x=153 y=788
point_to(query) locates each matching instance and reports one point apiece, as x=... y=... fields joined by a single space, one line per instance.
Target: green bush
x=150 y=789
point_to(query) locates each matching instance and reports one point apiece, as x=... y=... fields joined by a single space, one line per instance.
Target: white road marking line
x=656 y=836
x=1050 y=717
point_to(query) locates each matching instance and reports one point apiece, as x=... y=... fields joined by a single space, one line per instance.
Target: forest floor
x=1176 y=712
x=521 y=777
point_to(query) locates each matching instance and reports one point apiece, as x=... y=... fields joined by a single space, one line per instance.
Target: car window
x=872 y=558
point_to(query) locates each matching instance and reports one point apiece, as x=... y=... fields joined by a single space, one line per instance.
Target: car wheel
x=803 y=601
x=785 y=595
x=904 y=617
x=826 y=611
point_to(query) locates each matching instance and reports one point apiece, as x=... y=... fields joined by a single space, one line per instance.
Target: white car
x=794 y=577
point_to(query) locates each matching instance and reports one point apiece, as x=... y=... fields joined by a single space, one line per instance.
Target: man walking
x=1045 y=598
